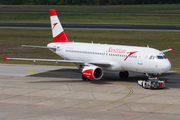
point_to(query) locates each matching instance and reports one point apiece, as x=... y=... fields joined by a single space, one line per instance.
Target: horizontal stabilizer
x=38 y=46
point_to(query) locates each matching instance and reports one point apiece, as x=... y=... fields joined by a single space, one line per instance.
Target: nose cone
x=166 y=65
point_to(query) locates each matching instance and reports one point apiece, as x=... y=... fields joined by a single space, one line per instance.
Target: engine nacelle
x=92 y=72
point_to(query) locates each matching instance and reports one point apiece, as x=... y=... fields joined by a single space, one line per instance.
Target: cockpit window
x=164 y=57
x=159 y=57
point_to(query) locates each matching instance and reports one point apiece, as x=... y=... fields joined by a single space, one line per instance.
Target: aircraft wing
x=98 y=63
x=167 y=50
x=62 y=61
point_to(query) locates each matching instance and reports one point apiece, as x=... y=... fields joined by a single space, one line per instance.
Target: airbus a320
x=94 y=59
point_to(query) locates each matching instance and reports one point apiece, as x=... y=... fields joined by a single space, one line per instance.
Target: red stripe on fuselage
x=61 y=38
x=130 y=53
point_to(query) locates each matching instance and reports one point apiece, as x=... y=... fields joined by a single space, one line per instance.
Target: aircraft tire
x=126 y=74
x=84 y=78
x=121 y=74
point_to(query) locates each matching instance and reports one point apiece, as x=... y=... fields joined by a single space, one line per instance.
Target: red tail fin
x=57 y=30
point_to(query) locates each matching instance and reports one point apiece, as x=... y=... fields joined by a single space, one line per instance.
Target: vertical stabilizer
x=57 y=30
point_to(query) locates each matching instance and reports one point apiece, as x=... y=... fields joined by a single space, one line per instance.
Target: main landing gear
x=84 y=78
x=124 y=74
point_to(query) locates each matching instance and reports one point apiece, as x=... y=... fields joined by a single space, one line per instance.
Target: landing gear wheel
x=121 y=74
x=84 y=78
x=124 y=74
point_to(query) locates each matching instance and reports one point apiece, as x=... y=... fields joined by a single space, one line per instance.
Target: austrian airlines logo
x=120 y=50
x=116 y=50
x=54 y=25
x=130 y=53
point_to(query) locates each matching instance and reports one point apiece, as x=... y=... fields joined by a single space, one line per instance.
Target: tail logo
x=54 y=25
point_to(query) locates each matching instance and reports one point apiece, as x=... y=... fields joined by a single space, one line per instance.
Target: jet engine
x=92 y=72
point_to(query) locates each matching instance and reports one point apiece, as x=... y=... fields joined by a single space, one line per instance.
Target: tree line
x=86 y=2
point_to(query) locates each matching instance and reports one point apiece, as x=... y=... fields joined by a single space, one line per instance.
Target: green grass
x=93 y=18
x=12 y=39
x=165 y=8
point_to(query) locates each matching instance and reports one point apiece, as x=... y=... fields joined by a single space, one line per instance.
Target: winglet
x=4 y=58
x=167 y=50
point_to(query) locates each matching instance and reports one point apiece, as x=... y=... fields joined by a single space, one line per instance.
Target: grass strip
x=93 y=18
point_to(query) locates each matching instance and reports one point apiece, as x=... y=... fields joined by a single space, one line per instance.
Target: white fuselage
x=140 y=59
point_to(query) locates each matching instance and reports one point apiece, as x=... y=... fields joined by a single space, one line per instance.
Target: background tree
x=101 y=2
x=111 y=2
x=117 y=2
x=92 y=2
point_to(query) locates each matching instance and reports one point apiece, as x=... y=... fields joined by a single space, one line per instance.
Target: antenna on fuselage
x=148 y=46
x=92 y=42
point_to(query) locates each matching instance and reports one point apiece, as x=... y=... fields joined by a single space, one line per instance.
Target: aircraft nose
x=166 y=66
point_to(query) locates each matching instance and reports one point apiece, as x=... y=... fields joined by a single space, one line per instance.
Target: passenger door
x=141 y=57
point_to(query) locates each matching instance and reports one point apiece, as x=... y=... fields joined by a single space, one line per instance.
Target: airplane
x=93 y=59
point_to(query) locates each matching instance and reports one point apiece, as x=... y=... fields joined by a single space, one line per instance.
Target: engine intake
x=92 y=72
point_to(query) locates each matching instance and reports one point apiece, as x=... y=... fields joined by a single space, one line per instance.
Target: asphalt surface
x=56 y=92
x=94 y=26
x=88 y=12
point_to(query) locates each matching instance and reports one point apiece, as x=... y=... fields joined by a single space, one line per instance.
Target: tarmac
x=35 y=92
